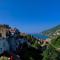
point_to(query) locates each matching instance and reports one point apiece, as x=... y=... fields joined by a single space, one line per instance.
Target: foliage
x=51 y=53
x=6 y=26
x=56 y=42
x=29 y=53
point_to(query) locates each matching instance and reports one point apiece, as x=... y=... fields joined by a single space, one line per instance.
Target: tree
x=51 y=53
x=17 y=33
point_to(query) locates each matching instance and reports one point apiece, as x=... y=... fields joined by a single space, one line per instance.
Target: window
x=0 y=49
x=0 y=35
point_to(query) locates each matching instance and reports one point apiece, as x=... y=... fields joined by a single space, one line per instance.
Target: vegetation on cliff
x=33 y=50
x=52 y=52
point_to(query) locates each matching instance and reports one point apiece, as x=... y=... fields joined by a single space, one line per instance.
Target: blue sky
x=30 y=15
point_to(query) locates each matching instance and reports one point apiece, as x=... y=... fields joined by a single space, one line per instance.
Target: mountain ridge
x=50 y=32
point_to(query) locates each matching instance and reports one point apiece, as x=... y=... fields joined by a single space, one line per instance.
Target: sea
x=40 y=36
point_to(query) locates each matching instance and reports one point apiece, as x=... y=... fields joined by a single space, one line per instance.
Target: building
x=4 y=46
x=4 y=29
x=23 y=34
x=10 y=43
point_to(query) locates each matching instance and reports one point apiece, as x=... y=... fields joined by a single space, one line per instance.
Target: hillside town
x=11 y=39
x=15 y=44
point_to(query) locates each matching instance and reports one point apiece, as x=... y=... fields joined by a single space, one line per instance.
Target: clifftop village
x=11 y=39
x=13 y=43
x=5 y=29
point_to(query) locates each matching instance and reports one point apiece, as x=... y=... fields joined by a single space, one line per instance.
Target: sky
x=30 y=15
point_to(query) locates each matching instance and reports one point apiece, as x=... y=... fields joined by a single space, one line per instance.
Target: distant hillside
x=53 y=31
